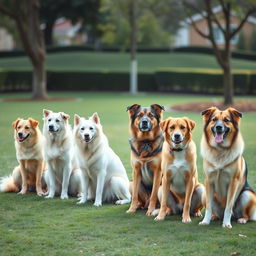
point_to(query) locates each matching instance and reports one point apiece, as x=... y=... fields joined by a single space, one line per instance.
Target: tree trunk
x=133 y=68
x=228 y=86
x=48 y=33
x=39 y=81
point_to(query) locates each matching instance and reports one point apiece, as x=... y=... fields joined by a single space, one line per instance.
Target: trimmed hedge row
x=165 y=80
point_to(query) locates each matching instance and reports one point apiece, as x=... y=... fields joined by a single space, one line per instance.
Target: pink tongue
x=219 y=138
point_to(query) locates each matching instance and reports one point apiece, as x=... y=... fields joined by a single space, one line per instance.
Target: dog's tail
x=8 y=184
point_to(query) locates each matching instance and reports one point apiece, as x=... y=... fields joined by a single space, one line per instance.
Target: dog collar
x=175 y=149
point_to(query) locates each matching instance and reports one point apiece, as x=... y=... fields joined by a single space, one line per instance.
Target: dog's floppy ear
x=33 y=122
x=46 y=112
x=208 y=113
x=15 y=123
x=64 y=116
x=236 y=114
x=76 y=119
x=164 y=124
x=133 y=109
x=95 y=118
x=191 y=124
x=158 y=109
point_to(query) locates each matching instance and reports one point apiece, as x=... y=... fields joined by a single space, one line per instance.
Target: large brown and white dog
x=104 y=176
x=227 y=191
x=180 y=190
x=29 y=152
x=63 y=177
x=146 y=146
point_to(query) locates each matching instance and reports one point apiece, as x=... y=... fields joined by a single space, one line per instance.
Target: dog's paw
x=186 y=220
x=149 y=212
x=64 y=196
x=155 y=212
x=226 y=225
x=40 y=193
x=49 y=196
x=241 y=221
x=159 y=218
x=198 y=214
x=131 y=210
x=97 y=204
x=22 y=192
x=81 y=200
x=204 y=223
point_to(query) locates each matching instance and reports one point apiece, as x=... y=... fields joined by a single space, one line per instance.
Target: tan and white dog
x=228 y=193
x=104 y=175
x=180 y=191
x=63 y=176
x=29 y=152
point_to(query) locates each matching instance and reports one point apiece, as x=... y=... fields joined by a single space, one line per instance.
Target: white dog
x=63 y=175
x=104 y=175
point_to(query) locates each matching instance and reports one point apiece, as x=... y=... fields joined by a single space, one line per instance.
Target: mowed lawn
x=31 y=225
x=147 y=62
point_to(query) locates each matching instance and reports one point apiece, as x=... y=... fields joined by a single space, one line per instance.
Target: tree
x=76 y=10
x=223 y=22
x=25 y=13
x=241 y=44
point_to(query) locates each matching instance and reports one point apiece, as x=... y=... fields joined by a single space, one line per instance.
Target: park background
x=81 y=57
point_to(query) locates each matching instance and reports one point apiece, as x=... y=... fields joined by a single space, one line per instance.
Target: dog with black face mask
x=146 y=146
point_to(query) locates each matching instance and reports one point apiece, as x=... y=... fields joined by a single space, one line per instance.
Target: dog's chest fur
x=27 y=153
x=177 y=168
x=146 y=173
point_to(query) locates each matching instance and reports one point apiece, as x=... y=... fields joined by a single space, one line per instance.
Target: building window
x=219 y=37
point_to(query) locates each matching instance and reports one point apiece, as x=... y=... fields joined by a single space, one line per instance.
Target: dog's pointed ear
x=235 y=113
x=133 y=109
x=15 y=123
x=46 y=112
x=164 y=124
x=64 y=116
x=190 y=123
x=95 y=118
x=76 y=119
x=158 y=109
x=33 y=122
x=208 y=113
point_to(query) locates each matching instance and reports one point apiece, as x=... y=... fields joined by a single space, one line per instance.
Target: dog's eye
x=91 y=128
x=172 y=127
x=82 y=128
x=57 y=120
x=26 y=127
x=226 y=120
x=140 y=115
x=49 y=120
x=150 y=115
x=18 y=127
x=214 y=119
x=182 y=127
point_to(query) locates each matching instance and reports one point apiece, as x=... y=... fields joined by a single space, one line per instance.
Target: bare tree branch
x=7 y=11
x=194 y=8
x=201 y=33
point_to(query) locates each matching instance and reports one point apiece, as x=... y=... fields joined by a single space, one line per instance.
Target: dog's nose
x=20 y=134
x=144 y=122
x=176 y=136
x=219 y=128
x=86 y=135
x=51 y=127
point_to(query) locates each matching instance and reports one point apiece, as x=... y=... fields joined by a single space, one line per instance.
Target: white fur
x=103 y=172
x=59 y=154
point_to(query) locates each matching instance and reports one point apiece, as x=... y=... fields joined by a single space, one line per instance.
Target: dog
x=63 y=176
x=180 y=190
x=228 y=193
x=29 y=152
x=146 y=146
x=104 y=176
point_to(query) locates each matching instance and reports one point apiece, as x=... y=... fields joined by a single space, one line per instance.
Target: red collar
x=175 y=149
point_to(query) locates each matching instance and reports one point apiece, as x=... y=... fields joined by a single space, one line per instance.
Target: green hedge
x=165 y=80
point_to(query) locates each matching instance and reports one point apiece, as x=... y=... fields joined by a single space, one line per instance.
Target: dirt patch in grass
x=197 y=107
x=37 y=100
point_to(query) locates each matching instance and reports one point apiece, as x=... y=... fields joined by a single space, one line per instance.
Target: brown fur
x=143 y=197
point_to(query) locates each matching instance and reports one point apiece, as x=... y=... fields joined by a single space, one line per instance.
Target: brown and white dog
x=29 y=152
x=146 y=147
x=228 y=193
x=180 y=190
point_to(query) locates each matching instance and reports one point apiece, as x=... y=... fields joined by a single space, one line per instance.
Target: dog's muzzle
x=219 y=131
x=145 y=125
x=177 y=138
x=87 y=137
x=22 y=137
x=51 y=129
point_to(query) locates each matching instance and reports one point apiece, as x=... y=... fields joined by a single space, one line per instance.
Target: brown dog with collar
x=180 y=191
x=146 y=146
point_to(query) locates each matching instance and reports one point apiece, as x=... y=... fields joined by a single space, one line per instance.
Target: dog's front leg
x=209 y=201
x=65 y=180
x=231 y=196
x=165 y=188
x=39 y=172
x=23 y=177
x=156 y=183
x=135 y=187
x=100 y=185
x=85 y=187
x=51 y=179
x=190 y=185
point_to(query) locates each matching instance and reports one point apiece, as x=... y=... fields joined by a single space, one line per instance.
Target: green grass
x=147 y=62
x=30 y=225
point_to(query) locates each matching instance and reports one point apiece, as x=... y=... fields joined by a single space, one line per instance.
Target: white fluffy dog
x=104 y=175
x=63 y=176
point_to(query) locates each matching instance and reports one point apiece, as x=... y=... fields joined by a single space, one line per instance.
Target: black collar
x=175 y=150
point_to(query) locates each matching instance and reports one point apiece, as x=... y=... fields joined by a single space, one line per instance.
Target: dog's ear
x=33 y=122
x=158 y=109
x=132 y=110
x=235 y=114
x=190 y=123
x=46 y=112
x=164 y=124
x=64 y=116
x=208 y=113
x=95 y=118
x=15 y=123
x=76 y=119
